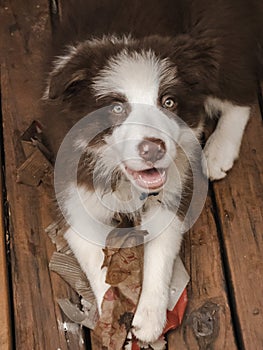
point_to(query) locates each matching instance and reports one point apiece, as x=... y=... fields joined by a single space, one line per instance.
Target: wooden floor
x=223 y=253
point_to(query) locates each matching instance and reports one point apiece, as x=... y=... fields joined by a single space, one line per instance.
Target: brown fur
x=216 y=46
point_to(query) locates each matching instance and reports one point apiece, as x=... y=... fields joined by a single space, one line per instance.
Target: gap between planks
x=5 y=314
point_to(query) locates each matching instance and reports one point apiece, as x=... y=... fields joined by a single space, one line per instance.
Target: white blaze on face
x=138 y=76
x=135 y=75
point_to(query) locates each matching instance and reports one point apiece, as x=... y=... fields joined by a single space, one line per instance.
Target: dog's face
x=145 y=89
x=144 y=141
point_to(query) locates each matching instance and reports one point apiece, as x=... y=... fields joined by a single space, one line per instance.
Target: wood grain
x=207 y=323
x=239 y=199
x=39 y=324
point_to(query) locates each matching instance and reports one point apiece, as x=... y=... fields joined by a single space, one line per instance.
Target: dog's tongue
x=151 y=179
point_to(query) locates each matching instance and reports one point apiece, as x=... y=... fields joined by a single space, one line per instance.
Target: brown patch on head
x=194 y=63
x=70 y=81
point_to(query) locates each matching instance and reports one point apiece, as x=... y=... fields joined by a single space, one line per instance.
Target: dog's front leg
x=160 y=253
x=222 y=147
x=90 y=257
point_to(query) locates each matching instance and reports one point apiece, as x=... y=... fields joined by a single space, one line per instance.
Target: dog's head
x=148 y=90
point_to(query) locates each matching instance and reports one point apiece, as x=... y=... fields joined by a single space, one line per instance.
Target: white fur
x=222 y=148
x=90 y=213
x=135 y=75
x=85 y=214
x=90 y=257
x=144 y=121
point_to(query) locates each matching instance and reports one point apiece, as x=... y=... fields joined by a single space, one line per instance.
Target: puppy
x=143 y=77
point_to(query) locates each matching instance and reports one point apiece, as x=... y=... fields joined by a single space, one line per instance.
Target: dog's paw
x=148 y=323
x=219 y=157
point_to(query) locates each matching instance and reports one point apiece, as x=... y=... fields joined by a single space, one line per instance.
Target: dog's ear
x=68 y=77
x=66 y=83
x=197 y=61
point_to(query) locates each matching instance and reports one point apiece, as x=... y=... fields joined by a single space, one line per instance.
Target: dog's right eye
x=168 y=102
x=117 y=108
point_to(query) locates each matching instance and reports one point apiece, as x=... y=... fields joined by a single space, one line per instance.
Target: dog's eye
x=168 y=102
x=117 y=108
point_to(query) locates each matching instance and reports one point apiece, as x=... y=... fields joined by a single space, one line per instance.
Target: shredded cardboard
x=87 y=317
x=37 y=167
x=68 y=268
x=125 y=266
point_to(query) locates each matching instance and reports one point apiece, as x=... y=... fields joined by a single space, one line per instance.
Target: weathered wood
x=39 y=323
x=207 y=323
x=239 y=199
x=5 y=321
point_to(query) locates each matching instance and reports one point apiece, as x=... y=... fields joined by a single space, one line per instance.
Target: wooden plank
x=39 y=323
x=239 y=199
x=207 y=323
x=5 y=322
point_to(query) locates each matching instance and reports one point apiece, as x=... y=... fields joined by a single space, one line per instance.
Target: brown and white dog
x=145 y=73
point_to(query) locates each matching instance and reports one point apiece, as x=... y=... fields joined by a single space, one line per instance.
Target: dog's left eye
x=118 y=108
x=168 y=102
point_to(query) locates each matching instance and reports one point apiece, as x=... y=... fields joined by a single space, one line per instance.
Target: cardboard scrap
x=160 y=344
x=37 y=167
x=68 y=268
x=56 y=232
x=34 y=137
x=87 y=317
x=180 y=280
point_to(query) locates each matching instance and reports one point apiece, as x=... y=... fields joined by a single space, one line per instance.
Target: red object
x=174 y=317
x=135 y=346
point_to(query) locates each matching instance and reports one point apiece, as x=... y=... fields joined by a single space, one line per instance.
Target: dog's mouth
x=151 y=179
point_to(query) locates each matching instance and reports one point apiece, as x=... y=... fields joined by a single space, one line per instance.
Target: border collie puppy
x=144 y=73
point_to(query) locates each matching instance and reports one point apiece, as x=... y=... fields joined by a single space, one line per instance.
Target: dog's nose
x=152 y=149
